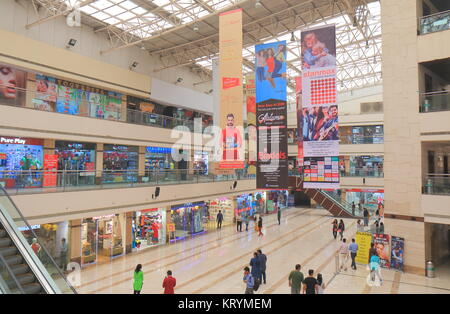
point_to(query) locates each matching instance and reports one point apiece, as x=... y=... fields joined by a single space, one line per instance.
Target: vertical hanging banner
x=319 y=108
x=271 y=116
x=231 y=140
x=301 y=126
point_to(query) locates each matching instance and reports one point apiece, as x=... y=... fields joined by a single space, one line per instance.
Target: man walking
x=279 y=215
x=366 y=217
x=219 y=220
x=249 y=281
x=295 y=280
x=63 y=255
x=262 y=263
x=247 y=221
x=353 y=208
x=256 y=267
x=310 y=285
x=353 y=248
x=239 y=223
x=169 y=283
x=343 y=252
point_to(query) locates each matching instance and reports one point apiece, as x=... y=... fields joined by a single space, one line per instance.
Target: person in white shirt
x=343 y=252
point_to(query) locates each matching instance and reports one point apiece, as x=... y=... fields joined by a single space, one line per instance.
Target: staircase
x=328 y=200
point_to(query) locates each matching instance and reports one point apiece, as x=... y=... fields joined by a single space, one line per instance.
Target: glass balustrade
x=435 y=101
x=435 y=23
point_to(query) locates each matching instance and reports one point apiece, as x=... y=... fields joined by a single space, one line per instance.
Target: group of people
x=311 y=284
x=320 y=123
x=270 y=63
x=257 y=275
x=258 y=221
x=338 y=228
x=168 y=284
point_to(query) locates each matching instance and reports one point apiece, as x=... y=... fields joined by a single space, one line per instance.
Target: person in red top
x=270 y=66
x=155 y=232
x=169 y=283
x=231 y=140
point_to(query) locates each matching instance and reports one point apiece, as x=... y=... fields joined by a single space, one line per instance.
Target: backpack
x=256 y=284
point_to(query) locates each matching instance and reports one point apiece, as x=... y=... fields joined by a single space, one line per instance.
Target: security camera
x=179 y=80
x=71 y=43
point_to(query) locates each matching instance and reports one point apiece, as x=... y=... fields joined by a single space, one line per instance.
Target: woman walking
x=335 y=228
x=260 y=224
x=320 y=284
x=341 y=228
x=138 y=279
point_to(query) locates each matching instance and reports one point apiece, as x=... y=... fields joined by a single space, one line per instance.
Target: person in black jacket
x=262 y=264
x=341 y=228
x=219 y=220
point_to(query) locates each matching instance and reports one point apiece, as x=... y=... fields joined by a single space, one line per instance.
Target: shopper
x=353 y=208
x=310 y=285
x=262 y=264
x=320 y=284
x=249 y=281
x=341 y=228
x=375 y=269
x=279 y=216
x=239 y=223
x=256 y=267
x=381 y=231
x=366 y=217
x=138 y=279
x=260 y=225
x=219 y=220
x=247 y=221
x=359 y=226
x=295 y=280
x=372 y=251
x=63 y=255
x=169 y=283
x=353 y=248
x=343 y=254
x=334 y=228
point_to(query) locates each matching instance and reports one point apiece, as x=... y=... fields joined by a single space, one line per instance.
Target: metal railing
x=361 y=172
x=87 y=109
x=43 y=256
x=434 y=23
x=435 y=101
x=342 y=203
x=358 y=139
x=436 y=184
x=40 y=181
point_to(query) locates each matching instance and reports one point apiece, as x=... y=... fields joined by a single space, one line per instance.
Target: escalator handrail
x=347 y=210
x=9 y=270
x=54 y=264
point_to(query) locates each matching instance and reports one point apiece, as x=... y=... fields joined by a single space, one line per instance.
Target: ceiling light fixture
x=258 y=4
x=375 y=60
x=292 y=37
x=195 y=27
x=133 y=65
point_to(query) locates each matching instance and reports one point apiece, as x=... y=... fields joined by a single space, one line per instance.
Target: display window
x=225 y=205
x=77 y=160
x=259 y=202
x=102 y=238
x=120 y=163
x=149 y=228
x=244 y=205
x=54 y=237
x=21 y=160
x=201 y=163
x=188 y=219
x=277 y=200
x=369 y=198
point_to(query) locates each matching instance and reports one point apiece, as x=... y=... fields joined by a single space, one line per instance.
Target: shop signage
x=159 y=150
x=25 y=228
x=103 y=217
x=170 y=227
x=50 y=170
x=363 y=240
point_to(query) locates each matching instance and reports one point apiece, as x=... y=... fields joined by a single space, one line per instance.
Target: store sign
x=159 y=150
x=170 y=227
x=50 y=170
x=6 y=140
x=104 y=217
x=25 y=228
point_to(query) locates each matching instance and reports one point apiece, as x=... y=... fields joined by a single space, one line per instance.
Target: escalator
x=327 y=199
x=25 y=269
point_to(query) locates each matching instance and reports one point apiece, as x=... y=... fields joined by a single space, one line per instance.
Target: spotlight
x=72 y=42
x=367 y=44
x=179 y=80
x=195 y=27
x=292 y=37
x=258 y=4
x=133 y=65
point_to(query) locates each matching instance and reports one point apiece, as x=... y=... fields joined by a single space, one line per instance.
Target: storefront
x=149 y=228
x=369 y=198
x=244 y=204
x=159 y=158
x=120 y=163
x=50 y=236
x=201 y=162
x=277 y=199
x=188 y=219
x=225 y=205
x=21 y=160
x=102 y=238
x=259 y=202
x=78 y=162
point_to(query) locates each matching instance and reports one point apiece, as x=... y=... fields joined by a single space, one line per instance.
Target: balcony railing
x=436 y=184
x=359 y=139
x=435 y=23
x=85 y=109
x=362 y=172
x=40 y=181
x=435 y=101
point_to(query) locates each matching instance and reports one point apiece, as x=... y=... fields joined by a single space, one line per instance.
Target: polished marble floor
x=213 y=262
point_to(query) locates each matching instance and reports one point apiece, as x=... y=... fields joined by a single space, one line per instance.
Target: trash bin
x=429 y=269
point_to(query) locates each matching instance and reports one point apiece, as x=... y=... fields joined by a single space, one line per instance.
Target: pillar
x=75 y=241
x=99 y=164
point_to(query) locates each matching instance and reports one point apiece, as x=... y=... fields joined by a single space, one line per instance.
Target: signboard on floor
x=397 y=252
x=231 y=141
x=363 y=239
x=271 y=116
x=319 y=117
x=381 y=242
x=50 y=170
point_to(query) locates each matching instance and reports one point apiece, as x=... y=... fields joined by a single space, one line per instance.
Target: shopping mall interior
x=116 y=147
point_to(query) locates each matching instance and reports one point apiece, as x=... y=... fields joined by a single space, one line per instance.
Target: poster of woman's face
x=12 y=85
x=319 y=48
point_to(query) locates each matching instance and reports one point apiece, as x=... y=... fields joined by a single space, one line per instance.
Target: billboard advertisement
x=363 y=239
x=319 y=116
x=381 y=242
x=271 y=116
x=397 y=252
x=231 y=140
x=12 y=82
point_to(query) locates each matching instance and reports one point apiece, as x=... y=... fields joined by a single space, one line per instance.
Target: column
x=128 y=232
x=75 y=241
x=141 y=163
x=99 y=164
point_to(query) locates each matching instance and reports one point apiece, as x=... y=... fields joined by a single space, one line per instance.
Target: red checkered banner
x=319 y=117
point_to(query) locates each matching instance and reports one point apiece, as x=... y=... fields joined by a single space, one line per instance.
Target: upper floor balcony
x=436 y=22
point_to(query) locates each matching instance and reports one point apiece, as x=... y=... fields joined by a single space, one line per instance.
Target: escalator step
x=5 y=242
x=7 y=251
x=20 y=269
x=2 y=233
x=32 y=288
x=14 y=260
x=23 y=279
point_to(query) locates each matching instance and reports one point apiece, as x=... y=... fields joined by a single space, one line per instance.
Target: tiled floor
x=213 y=262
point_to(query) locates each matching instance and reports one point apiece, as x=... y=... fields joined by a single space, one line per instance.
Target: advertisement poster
x=363 y=240
x=271 y=116
x=382 y=246
x=397 y=253
x=320 y=128
x=12 y=82
x=50 y=170
x=319 y=170
x=231 y=140
x=302 y=126
x=68 y=100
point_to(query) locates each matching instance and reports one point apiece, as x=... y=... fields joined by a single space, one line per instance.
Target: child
x=308 y=43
